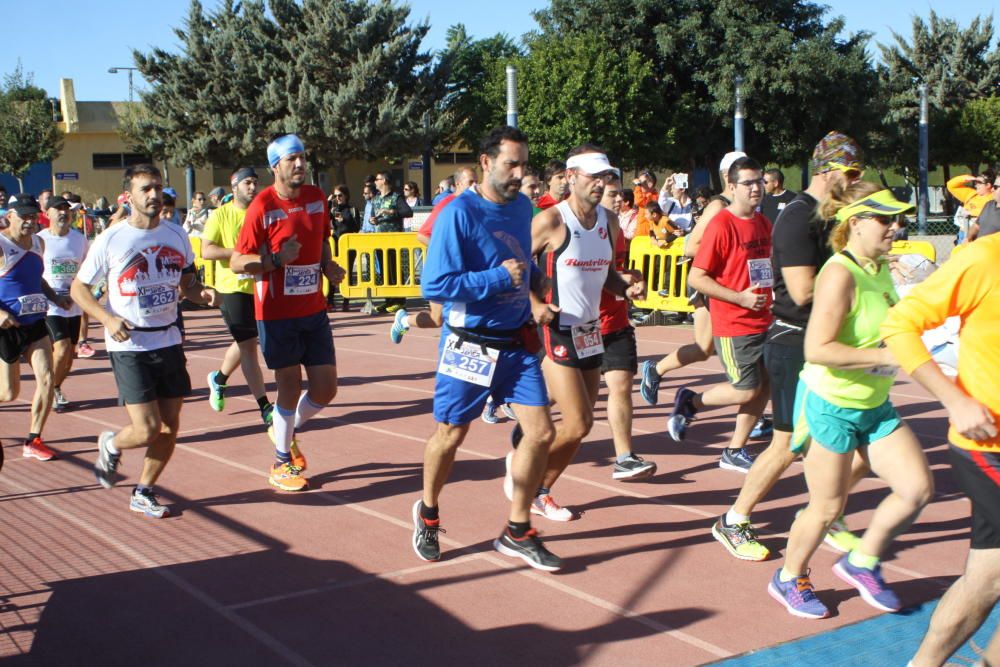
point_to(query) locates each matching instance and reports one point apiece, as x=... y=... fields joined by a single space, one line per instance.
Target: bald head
x=465 y=178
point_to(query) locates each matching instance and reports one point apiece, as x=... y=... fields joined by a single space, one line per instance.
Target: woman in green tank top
x=842 y=406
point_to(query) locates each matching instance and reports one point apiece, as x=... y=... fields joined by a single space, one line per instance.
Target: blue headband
x=283 y=147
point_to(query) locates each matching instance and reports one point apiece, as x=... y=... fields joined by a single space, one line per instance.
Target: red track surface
x=245 y=575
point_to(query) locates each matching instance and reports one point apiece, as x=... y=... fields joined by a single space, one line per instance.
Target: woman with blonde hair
x=842 y=405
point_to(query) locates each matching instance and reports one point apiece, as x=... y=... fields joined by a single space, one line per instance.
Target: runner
x=733 y=269
x=842 y=404
x=620 y=361
x=576 y=239
x=65 y=249
x=799 y=249
x=218 y=238
x=144 y=263
x=24 y=300
x=702 y=347
x=479 y=265
x=967 y=285
x=284 y=244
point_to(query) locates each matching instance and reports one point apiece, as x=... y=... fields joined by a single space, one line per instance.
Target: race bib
x=302 y=279
x=156 y=299
x=587 y=340
x=33 y=304
x=761 y=272
x=64 y=268
x=883 y=371
x=467 y=362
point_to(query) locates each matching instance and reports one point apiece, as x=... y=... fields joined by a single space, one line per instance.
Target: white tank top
x=63 y=257
x=579 y=267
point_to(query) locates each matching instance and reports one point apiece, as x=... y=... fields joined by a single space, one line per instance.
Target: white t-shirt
x=143 y=268
x=63 y=257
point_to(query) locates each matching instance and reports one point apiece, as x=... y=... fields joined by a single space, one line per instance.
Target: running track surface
x=245 y=575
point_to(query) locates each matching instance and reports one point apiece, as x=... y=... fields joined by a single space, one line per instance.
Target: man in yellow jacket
x=968 y=285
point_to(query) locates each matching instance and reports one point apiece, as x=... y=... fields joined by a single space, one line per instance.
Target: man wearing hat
x=215 y=196
x=65 y=249
x=576 y=237
x=284 y=244
x=799 y=249
x=217 y=242
x=24 y=300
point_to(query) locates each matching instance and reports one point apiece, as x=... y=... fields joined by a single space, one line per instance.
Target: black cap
x=23 y=204
x=56 y=201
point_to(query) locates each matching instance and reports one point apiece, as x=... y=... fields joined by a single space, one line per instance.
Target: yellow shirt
x=971 y=202
x=222 y=229
x=967 y=285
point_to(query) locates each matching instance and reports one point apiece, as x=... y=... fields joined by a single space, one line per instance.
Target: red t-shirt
x=294 y=290
x=43 y=221
x=547 y=201
x=614 y=309
x=428 y=226
x=730 y=249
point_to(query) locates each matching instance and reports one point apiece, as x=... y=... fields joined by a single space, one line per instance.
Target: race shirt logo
x=560 y=352
x=152 y=275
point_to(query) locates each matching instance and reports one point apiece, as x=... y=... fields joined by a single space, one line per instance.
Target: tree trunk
x=20 y=182
x=340 y=172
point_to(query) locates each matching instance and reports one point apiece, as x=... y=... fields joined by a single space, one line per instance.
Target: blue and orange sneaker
x=869 y=583
x=797 y=595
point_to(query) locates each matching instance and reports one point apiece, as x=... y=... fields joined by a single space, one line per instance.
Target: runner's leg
x=439 y=457
x=162 y=446
x=40 y=353
x=529 y=461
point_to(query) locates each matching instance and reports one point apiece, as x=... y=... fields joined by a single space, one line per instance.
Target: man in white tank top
x=576 y=239
x=65 y=249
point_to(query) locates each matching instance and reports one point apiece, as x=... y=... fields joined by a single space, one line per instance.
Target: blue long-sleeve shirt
x=472 y=238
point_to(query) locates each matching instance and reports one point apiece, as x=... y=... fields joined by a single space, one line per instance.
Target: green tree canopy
x=348 y=76
x=27 y=131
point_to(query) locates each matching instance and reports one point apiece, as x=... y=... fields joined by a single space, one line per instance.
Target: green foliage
x=348 y=76
x=800 y=79
x=957 y=66
x=27 y=131
x=979 y=125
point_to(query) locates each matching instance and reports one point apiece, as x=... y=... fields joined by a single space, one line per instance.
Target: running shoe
x=216 y=392
x=394 y=308
x=37 y=449
x=509 y=411
x=633 y=468
x=797 y=595
x=490 y=412
x=425 y=535
x=869 y=583
x=740 y=540
x=61 y=402
x=546 y=506
x=763 y=428
x=287 y=477
x=146 y=502
x=84 y=350
x=106 y=466
x=838 y=536
x=508 y=476
x=737 y=460
x=267 y=414
x=649 y=387
x=529 y=549
x=682 y=413
x=398 y=328
x=516 y=435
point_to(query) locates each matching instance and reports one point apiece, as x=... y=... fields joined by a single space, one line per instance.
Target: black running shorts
x=620 y=352
x=143 y=377
x=15 y=340
x=978 y=475
x=63 y=328
x=238 y=314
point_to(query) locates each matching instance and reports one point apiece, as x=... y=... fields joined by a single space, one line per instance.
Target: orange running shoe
x=36 y=449
x=298 y=460
x=287 y=477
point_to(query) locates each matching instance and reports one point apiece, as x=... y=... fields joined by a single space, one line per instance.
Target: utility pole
x=923 y=201
x=511 y=95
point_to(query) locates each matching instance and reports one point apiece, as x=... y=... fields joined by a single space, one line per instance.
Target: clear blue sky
x=94 y=35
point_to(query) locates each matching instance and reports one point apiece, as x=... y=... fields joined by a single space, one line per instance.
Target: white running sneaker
x=550 y=509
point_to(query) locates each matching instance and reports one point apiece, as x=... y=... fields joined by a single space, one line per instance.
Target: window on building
x=118 y=160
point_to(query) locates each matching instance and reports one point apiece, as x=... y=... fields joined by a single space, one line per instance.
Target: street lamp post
x=738 y=116
x=115 y=70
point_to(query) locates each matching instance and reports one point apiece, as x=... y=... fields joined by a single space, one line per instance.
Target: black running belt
x=498 y=339
x=147 y=329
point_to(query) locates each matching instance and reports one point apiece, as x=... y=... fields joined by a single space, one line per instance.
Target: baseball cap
x=56 y=201
x=171 y=192
x=592 y=163
x=837 y=151
x=728 y=159
x=882 y=202
x=23 y=204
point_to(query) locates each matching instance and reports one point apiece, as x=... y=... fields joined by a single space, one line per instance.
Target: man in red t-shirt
x=284 y=244
x=733 y=269
x=556 y=187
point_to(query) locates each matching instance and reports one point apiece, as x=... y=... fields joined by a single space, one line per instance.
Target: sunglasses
x=883 y=220
x=850 y=172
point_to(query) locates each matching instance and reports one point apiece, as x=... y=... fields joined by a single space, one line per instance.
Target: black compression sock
x=518 y=529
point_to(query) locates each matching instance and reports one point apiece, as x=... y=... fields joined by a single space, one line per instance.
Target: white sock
x=283 y=429
x=405 y=321
x=111 y=446
x=732 y=518
x=305 y=410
